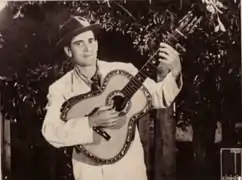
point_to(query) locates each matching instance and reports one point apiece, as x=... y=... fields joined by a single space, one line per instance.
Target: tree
x=209 y=86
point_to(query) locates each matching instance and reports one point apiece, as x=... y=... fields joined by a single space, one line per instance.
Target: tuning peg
x=195 y=25
x=180 y=48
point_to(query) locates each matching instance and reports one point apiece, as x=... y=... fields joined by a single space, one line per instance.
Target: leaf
x=210 y=9
x=219 y=4
x=18 y=14
x=221 y=26
x=216 y=29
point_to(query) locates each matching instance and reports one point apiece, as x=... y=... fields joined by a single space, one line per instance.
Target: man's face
x=83 y=49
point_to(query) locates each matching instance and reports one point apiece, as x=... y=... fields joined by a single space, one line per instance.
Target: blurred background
x=208 y=110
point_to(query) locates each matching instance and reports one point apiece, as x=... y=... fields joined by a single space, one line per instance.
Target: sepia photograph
x=120 y=90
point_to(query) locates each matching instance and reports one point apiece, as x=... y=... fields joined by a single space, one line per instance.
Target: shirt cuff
x=83 y=130
x=172 y=85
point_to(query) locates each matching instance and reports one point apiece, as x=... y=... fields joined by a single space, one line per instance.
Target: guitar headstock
x=189 y=23
x=185 y=27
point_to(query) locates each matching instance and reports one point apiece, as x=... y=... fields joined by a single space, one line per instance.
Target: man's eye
x=79 y=43
x=91 y=40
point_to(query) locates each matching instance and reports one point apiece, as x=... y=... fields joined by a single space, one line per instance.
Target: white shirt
x=77 y=131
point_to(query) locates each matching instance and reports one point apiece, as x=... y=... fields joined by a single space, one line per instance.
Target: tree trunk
x=165 y=145
x=203 y=151
x=164 y=138
x=228 y=133
x=1 y=142
x=5 y=146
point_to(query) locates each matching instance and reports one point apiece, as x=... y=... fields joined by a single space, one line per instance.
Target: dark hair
x=68 y=42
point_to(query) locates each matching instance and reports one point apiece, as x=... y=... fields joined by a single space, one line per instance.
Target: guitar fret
x=139 y=77
x=133 y=85
x=172 y=38
x=168 y=41
x=153 y=64
x=136 y=84
x=127 y=92
x=131 y=88
x=143 y=73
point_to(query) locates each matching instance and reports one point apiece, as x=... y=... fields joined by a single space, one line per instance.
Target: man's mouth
x=86 y=56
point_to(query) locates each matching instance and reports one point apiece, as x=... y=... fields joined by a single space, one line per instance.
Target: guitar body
x=104 y=151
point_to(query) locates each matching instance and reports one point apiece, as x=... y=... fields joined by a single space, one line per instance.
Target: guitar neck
x=148 y=68
x=186 y=26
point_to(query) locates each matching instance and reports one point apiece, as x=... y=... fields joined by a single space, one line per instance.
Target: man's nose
x=87 y=47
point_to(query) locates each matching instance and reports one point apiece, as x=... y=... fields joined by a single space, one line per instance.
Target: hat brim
x=67 y=38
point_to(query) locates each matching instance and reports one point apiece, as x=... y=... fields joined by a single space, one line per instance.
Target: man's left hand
x=169 y=58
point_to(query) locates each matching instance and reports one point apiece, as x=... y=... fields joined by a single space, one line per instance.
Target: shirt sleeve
x=58 y=133
x=163 y=92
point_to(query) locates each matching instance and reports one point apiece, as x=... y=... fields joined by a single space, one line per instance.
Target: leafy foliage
x=211 y=62
x=215 y=58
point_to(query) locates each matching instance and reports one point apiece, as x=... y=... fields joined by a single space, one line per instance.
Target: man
x=80 y=45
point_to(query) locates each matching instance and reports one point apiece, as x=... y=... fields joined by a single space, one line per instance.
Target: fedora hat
x=74 y=26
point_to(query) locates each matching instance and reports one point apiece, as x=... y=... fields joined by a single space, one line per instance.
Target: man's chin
x=87 y=64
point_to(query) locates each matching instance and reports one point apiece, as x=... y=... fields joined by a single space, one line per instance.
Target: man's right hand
x=104 y=116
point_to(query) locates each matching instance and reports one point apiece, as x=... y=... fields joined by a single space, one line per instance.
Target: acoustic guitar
x=129 y=96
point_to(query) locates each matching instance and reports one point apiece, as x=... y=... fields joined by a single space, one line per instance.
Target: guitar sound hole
x=119 y=103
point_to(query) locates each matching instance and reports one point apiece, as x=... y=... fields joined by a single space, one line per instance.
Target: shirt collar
x=84 y=78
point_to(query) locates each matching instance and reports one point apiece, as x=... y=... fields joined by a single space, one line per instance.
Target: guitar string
x=142 y=72
x=136 y=84
x=178 y=31
x=152 y=57
x=133 y=83
x=129 y=90
x=172 y=36
x=142 y=75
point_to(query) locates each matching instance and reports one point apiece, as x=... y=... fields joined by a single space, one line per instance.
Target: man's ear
x=68 y=51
